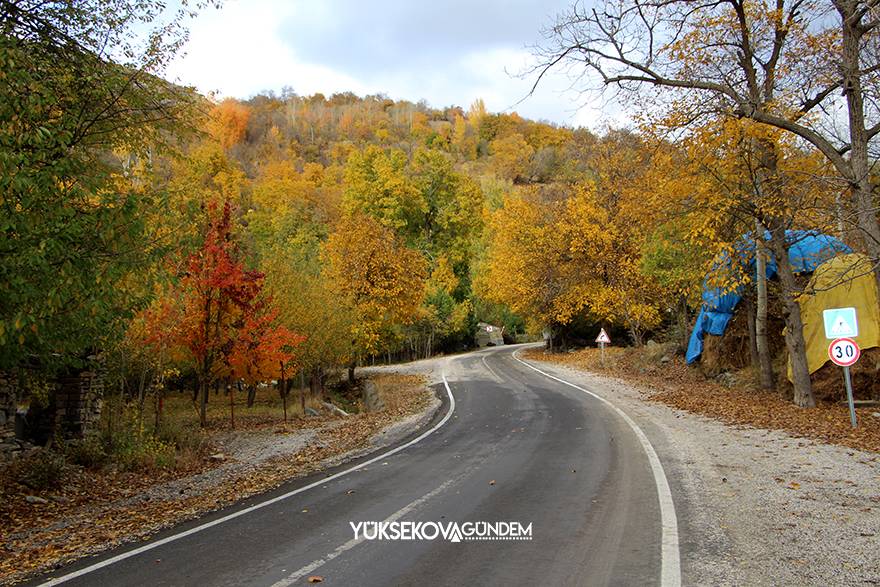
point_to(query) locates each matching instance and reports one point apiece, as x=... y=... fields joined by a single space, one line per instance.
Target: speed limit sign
x=844 y=352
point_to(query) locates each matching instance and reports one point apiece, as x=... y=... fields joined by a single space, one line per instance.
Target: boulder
x=334 y=409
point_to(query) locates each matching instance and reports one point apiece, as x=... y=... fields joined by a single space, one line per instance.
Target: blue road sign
x=840 y=322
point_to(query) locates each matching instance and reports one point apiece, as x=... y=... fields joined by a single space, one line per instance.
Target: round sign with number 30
x=844 y=352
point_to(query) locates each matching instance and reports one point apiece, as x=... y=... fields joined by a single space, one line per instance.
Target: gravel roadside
x=249 y=462
x=757 y=507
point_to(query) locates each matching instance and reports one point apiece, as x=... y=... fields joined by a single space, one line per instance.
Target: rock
x=651 y=343
x=665 y=359
x=372 y=400
x=218 y=457
x=35 y=499
x=727 y=379
x=334 y=409
x=312 y=412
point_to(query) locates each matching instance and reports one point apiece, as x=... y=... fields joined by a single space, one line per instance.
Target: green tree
x=80 y=98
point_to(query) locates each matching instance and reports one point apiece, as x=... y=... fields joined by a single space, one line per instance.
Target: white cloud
x=251 y=46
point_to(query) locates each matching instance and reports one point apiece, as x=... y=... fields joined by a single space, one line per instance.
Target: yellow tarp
x=842 y=282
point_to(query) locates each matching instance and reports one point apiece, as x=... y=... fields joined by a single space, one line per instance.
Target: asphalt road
x=518 y=447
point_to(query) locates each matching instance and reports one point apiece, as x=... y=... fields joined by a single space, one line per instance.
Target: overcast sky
x=447 y=52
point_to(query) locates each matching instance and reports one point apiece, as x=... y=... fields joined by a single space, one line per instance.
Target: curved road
x=518 y=447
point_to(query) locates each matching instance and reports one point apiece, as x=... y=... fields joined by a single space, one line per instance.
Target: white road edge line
x=670 y=559
x=491 y=370
x=268 y=502
x=314 y=565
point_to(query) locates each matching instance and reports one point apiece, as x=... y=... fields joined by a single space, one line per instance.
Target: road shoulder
x=254 y=463
x=757 y=507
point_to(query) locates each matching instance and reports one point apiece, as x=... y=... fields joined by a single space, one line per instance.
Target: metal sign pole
x=849 y=398
x=602 y=353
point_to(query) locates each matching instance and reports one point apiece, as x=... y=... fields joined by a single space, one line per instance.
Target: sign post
x=849 y=399
x=840 y=325
x=845 y=352
x=602 y=339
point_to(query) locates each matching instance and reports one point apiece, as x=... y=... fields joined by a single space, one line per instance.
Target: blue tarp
x=807 y=250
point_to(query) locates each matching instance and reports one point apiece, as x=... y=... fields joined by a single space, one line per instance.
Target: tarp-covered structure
x=846 y=281
x=807 y=250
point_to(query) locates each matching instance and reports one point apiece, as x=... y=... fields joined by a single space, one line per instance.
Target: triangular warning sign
x=603 y=337
x=841 y=327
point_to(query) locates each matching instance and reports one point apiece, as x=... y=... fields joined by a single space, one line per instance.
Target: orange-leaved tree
x=218 y=293
x=262 y=350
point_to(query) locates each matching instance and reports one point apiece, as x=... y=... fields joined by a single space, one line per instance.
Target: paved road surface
x=560 y=460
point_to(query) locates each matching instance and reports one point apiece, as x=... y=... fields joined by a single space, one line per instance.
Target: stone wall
x=10 y=446
x=77 y=404
x=372 y=399
x=74 y=412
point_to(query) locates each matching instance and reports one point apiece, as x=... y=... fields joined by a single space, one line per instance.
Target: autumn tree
x=376 y=183
x=80 y=87
x=308 y=303
x=377 y=275
x=554 y=261
x=219 y=298
x=229 y=122
x=263 y=350
x=779 y=65
x=511 y=156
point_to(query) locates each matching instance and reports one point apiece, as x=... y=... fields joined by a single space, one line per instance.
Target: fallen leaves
x=682 y=387
x=316 y=579
x=100 y=510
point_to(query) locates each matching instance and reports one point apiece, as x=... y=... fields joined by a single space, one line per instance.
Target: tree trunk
x=252 y=395
x=860 y=182
x=683 y=321
x=351 y=367
x=203 y=407
x=231 y=392
x=765 y=362
x=302 y=391
x=315 y=382
x=753 y=344
x=282 y=388
x=794 y=326
x=158 y=407
x=142 y=392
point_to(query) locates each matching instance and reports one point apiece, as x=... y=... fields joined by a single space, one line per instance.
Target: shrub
x=41 y=471
x=88 y=452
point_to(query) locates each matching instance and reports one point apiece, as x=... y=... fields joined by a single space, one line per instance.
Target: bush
x=88 y=452
x=132 y=448
x=41 y=471
x=183 y=437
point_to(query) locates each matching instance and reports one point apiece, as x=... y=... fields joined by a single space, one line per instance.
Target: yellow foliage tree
x=381 y=279
x=511 y=156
